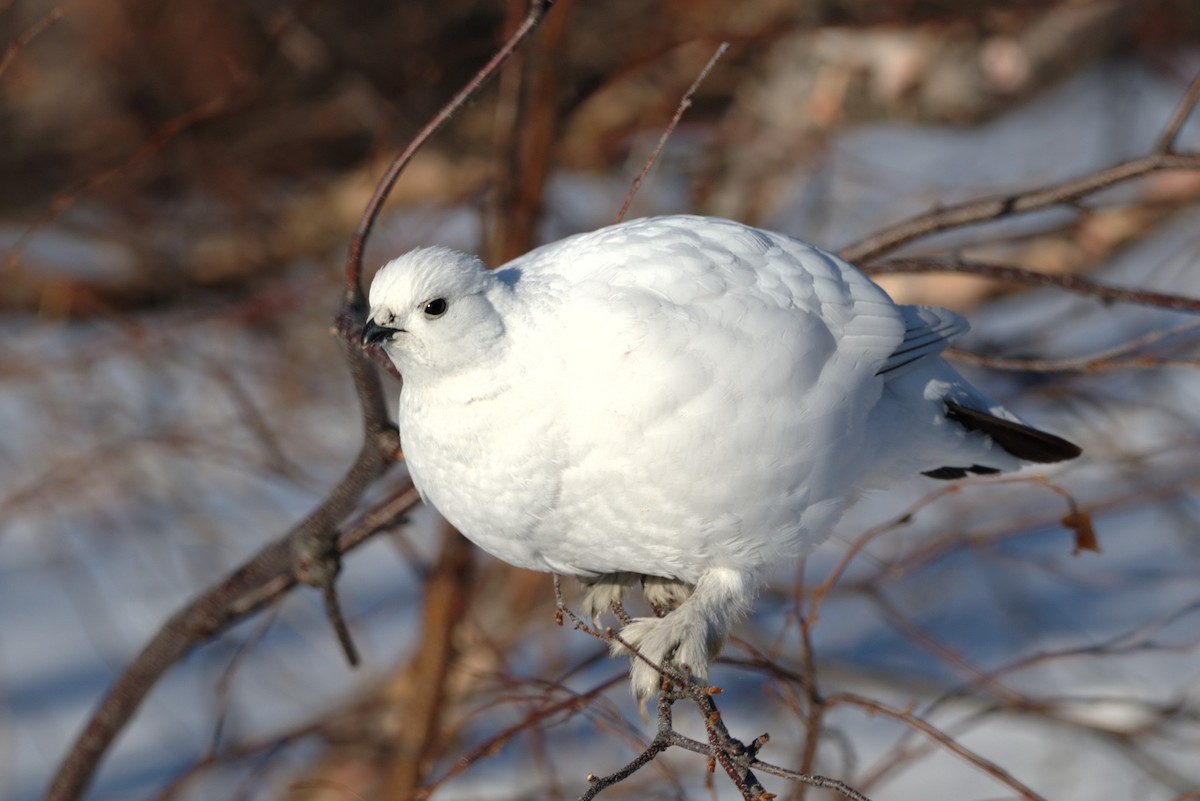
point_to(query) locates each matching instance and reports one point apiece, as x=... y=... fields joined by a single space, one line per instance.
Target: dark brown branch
x=317 y=562
x=259 y=582
x=353 y=272
x=312 y=550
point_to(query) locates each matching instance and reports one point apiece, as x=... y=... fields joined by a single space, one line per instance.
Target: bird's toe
x=602 y=593
x=673 y=643
x=665 y=594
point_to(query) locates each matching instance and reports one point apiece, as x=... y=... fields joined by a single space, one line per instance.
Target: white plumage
x=684 y=398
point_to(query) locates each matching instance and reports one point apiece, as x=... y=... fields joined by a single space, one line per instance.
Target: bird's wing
x=927 y=332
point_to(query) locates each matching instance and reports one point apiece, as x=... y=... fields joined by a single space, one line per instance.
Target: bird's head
x=432 y=312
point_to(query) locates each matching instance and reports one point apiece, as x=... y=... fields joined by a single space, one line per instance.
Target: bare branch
x=1077 y=284
x=1162 y=157
x=735 y=757
x=257 y=583
x=1115 y=358
x=663 y=739
x=1187 y=104
x=948 y=742
x=491 y=745
x=354 y=255
x=22 y=41
x=684 y=104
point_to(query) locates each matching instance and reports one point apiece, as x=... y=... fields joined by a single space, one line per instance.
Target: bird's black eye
x=436 y=307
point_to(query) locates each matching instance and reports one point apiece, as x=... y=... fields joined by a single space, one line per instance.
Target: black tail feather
x=1021 y=441
x=951 y=473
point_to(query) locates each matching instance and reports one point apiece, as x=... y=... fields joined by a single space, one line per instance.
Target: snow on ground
x=154 y=485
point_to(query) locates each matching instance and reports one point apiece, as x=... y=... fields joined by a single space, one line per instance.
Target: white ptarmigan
x=682 y=401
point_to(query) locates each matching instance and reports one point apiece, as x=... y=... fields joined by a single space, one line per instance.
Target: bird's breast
x=488 y=466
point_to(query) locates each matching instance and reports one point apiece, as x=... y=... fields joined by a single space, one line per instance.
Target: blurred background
x=178 y=184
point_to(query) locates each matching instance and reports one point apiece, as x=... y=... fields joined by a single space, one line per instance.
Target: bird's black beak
x=373 y=333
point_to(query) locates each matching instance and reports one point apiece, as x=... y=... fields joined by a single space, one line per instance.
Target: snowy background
x=145 y=454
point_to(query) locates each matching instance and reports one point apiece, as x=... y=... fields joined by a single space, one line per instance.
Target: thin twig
x=811 y=780
x=1001 y=206
x=663 y=739
x=862 y=541
x=986 y=765
x=315 y=557
x=205 y=111
x=684 y=104
x=257 y=583
x=735 y=757
x=491 y=745
x=1101 y=362
x=31 y=33
x=814 y=716
x=1077 y=284
x=746 y=756
x=354 y=255
x=211 y=109
x=1187 y=104
x=1083 y=364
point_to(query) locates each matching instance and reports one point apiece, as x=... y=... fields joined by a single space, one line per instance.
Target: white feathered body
x=679 y=394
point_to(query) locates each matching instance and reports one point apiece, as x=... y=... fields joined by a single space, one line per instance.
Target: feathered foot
x=604 y=594
x=686 y=639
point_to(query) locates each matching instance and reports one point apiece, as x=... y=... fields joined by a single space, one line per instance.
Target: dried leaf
x=1085 y=532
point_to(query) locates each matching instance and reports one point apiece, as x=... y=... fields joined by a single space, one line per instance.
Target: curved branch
x=1162 y=157
x=907 y=718
x=354 y=255
x=260 y=581
x=312 y=550
x=995 y=208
